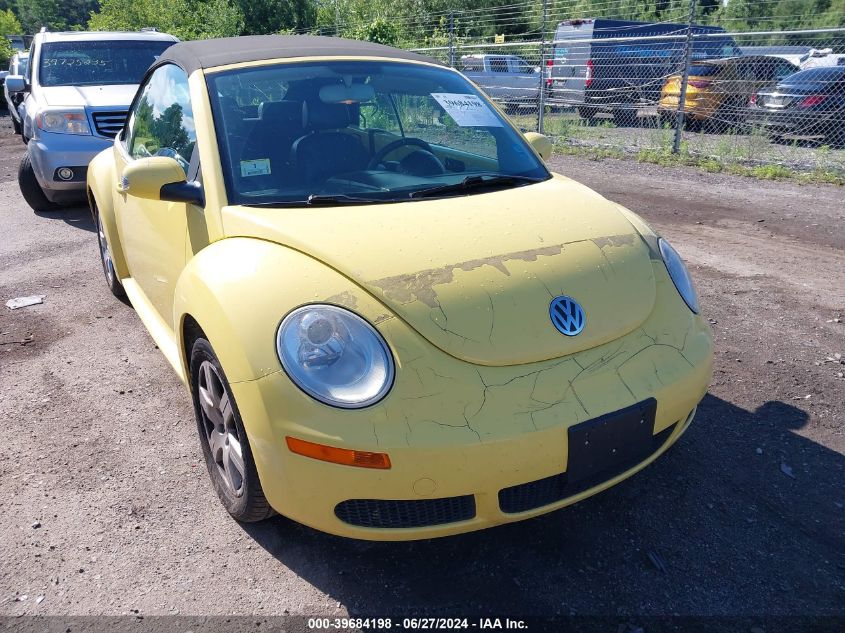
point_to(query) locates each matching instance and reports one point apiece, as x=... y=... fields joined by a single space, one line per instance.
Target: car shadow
x=78 y=216
x=743 y=515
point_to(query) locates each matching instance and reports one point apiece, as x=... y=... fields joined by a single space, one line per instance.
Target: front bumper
x=49 y=152
x=459 y=434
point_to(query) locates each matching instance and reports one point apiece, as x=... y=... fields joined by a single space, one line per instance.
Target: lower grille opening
x=379 y=513
x=543 y=492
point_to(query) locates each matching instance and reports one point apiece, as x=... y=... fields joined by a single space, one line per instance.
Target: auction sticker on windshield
x=257 y=167
x=467 y=110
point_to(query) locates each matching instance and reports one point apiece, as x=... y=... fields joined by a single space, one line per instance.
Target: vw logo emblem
x=567 y=315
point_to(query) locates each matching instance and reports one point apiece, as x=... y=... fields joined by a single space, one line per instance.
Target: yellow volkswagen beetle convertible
x=393 y=320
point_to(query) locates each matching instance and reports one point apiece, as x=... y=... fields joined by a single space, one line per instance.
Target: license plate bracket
x=608 y=445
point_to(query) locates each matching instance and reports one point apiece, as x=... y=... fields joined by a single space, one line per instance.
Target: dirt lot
x=106 y=507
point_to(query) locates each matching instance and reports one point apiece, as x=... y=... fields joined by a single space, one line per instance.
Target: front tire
x=16 y=126
x=31 y=190
x=108 y=263
x=225 y=445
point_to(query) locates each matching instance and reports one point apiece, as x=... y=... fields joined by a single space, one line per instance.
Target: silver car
x=17 y=66
x=78 y=87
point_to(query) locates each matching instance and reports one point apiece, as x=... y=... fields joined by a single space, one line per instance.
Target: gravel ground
x=106 y=507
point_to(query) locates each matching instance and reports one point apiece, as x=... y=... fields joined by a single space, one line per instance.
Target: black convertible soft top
x=198 y=54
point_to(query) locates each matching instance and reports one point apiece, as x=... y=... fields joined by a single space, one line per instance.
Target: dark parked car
x=809 y=104
x=616 y=66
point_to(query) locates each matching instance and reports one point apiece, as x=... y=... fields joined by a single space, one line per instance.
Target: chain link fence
x=772 y=99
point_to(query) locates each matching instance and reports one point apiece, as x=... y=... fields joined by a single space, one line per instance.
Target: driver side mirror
x=541 y=144
x=160 y=178
x=15 y=83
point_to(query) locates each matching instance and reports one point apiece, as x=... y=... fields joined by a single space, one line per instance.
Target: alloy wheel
x=221 y=432
x=105 y=253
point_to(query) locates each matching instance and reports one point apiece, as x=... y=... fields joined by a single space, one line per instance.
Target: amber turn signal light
x=344 y=456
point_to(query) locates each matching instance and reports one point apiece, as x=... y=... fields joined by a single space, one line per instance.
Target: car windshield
x=97 y=63
x=352 y=132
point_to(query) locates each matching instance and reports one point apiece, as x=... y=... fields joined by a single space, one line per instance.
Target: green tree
x=9 y=24
x=186 y=19
x=6 y=52
x=56 y=15
x=834 y=16
x=379 y=30
x=274 y=16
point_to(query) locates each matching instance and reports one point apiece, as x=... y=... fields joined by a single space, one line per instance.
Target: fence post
x=682 y=99
x=451 y=39
x=541 y=102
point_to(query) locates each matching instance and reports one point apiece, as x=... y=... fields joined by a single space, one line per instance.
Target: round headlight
x=679 y=274
x=335 y=356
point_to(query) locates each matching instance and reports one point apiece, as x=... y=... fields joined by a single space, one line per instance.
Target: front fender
x=102 y=180
x=239 y=289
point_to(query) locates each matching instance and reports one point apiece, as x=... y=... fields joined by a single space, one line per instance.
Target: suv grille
x=377 y=513
x=109 y=123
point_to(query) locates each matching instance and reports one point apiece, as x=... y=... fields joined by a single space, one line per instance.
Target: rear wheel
x=587 y=113
x=667 y=120
x=692 y=125
x=31 y=190
x=16 y=126
x=224 y=442
x=727 y=116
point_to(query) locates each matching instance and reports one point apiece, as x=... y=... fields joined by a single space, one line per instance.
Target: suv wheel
x=224 y=441
x=31 y=190
x=625 y=117
x=587 y=113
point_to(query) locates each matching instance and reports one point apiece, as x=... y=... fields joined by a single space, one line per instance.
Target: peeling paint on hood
x=475 y=274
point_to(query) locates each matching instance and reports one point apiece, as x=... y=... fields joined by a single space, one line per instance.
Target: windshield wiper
x=474 y=182
x=340 y=198
x=317 y=199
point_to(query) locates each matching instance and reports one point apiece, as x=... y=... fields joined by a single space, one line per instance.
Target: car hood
x=88 y=96
x=475 y=275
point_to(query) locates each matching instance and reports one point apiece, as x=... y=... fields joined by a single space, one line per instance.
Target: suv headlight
x=679 y=274
x=335 y=356
x=63 y=122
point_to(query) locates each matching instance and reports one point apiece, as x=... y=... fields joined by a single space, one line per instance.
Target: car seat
x=325 y=151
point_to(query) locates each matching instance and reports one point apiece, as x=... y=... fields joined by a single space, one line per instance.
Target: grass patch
x=665 y=158
x=590 y=153
x=772 y=172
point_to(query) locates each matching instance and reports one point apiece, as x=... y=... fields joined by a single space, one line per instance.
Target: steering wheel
x=401 y=142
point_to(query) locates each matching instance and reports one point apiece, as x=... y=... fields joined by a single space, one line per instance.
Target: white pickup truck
x=508 y=79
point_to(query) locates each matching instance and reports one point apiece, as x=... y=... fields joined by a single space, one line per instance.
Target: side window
x=28 y=72
x=499 y=64
x=522 y=67
x=471 y=63
x=161 y=122
x=784 y=70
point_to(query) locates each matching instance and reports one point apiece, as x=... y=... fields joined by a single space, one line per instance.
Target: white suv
x=78 y=88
